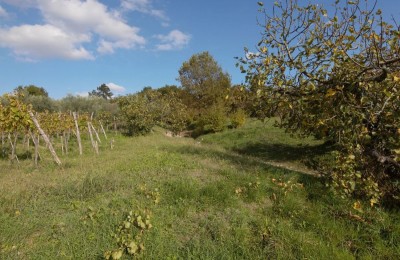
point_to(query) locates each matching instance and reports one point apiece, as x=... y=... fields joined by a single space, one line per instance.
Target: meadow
x=240 y=194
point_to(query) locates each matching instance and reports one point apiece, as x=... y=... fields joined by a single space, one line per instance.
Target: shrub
x=238 y=118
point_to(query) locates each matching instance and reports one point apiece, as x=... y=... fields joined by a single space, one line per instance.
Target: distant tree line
x=205 y=102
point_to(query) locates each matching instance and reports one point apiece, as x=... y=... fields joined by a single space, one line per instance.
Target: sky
x=74 y=46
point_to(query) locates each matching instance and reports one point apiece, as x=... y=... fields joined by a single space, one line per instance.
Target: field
x=239 y=194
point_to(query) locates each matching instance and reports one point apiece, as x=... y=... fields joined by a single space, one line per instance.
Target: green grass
x=230 y=195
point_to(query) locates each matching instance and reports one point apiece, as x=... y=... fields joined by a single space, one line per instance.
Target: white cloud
x=105 y=47
x=44 y=41
x=82 y=94
x=92 y=16
x=116 y=88
x=3 y=13
x=145 y=6
x=173 y=40
x=68 y=25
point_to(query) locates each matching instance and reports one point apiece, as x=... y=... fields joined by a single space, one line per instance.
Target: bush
x=212 y=120
x=238 y=118
x=138 y=114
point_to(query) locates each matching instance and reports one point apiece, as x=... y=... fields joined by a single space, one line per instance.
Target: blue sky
x=73 y=46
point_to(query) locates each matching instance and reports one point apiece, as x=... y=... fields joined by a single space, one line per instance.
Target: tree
x=204 y=80
x=206 y=87
x=334 y=75
x=140 y=112
x=102 y=91
x=32 y=90
x=174 y=114
x=37 y=97
x=92 y=104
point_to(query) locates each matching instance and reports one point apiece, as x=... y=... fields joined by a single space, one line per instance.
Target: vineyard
x=31 y=132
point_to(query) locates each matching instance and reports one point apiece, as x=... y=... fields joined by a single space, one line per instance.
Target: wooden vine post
x=94 y=144
x=45 y=138
x=102 y=129
x=78 y=135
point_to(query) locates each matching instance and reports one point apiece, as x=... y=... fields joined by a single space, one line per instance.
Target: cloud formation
x=172 y=41
x=69 y=27
x=145 y=6
x=81 y=29
x=44 y=41
x=116 y=88
x=3 y=13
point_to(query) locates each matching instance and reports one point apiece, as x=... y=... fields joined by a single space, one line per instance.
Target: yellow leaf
x=330 y=93
x=373 y=201
x=357 y=205
x=364 y=130
x=264 y=49
x=396 y=79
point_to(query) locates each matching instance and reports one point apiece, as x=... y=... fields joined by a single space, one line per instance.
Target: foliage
x=41 y=103
x=32 y=90
x=129 y=235
x=37 y=97
x=92 y=104
x=203 y=79
x=334 y=75
x=175 y=116
x=239 y=98
x=102 y=91
x=212 y=120
x=139 y=112
x=206 y=89
x=238 y=118
x=14 y=115
x=163 y=107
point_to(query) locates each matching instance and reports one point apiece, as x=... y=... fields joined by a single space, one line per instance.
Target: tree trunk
x=13 y=144
x=36 y=143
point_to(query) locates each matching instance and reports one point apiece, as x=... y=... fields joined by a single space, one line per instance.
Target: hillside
x=239 y=194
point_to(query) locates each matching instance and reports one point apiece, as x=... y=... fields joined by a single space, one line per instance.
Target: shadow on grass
x=236 y=159
x=314 y=185
x=284 y=152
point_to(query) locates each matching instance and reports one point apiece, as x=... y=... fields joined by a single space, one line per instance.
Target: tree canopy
x=334 y=74
x=32 y=90
x=102 y=91
x=203 y=79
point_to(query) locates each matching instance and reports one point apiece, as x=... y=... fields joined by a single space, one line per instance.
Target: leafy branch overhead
x=334 y=73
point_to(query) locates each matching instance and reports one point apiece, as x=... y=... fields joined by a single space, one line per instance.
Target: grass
x=239 y=194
